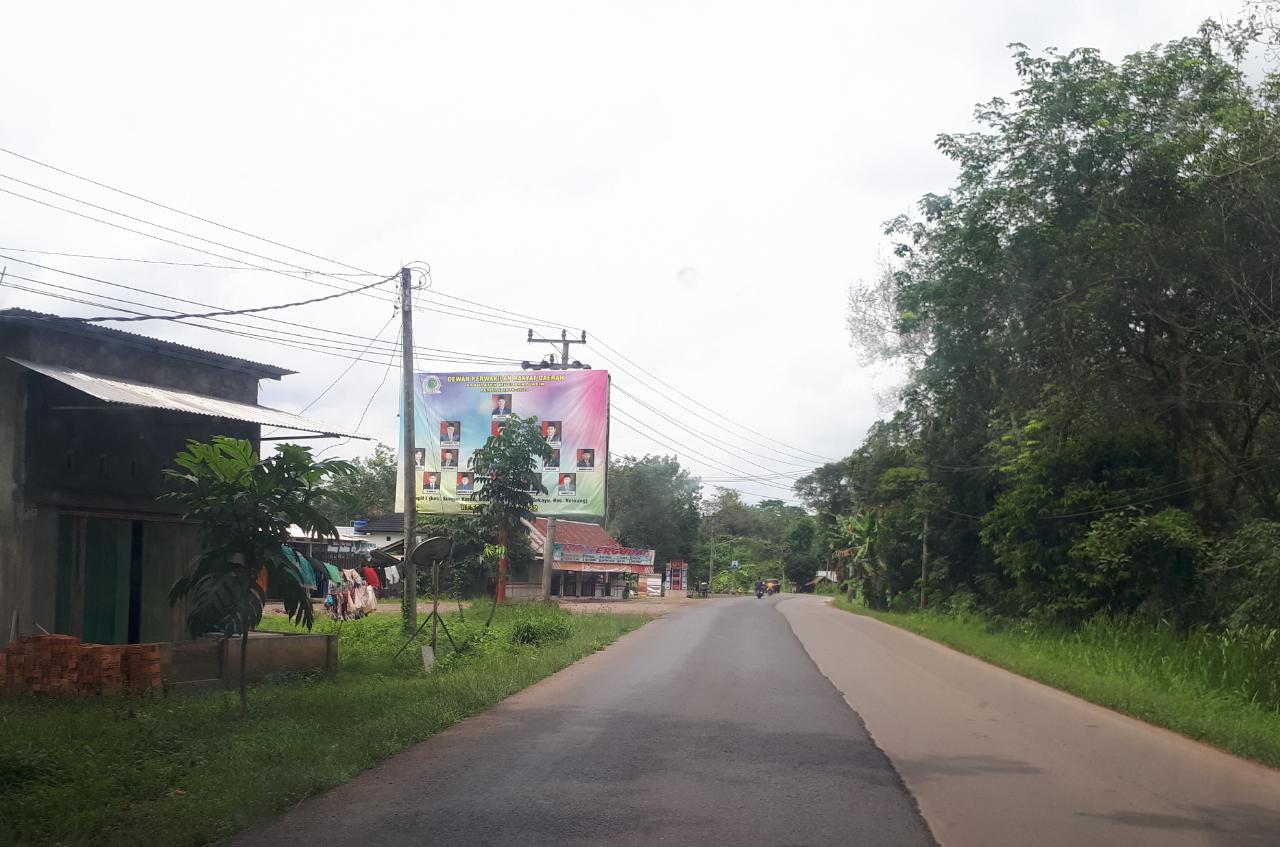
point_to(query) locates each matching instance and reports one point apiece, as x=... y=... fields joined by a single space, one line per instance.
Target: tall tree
x=1087 y=317
x=368 y=491
x=653 y=504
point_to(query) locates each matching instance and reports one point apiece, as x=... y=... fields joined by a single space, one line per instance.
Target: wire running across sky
x=777 y=462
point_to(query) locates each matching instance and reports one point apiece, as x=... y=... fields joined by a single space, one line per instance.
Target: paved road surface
x=994 y=759
x=707 y=726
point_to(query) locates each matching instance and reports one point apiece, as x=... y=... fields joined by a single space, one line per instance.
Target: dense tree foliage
x=1088 y=317
x=368 y=491
x=653 y=504
x=769 y=539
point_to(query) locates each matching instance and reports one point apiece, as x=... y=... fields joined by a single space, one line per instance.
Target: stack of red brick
x=60 y=664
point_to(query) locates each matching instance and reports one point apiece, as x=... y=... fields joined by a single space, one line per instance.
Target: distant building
x=89 y=419
x=589 y=562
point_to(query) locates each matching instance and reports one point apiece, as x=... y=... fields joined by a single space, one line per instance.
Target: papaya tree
x=245 y=506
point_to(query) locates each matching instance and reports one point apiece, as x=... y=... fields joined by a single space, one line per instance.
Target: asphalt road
x=708 y=726
x=995 y=759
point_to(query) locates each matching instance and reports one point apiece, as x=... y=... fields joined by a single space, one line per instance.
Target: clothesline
x=349 y=593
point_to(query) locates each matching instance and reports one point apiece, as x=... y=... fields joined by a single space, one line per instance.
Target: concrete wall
x=13 y=406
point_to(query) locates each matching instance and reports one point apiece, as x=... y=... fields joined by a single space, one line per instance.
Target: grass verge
x=185 y=770
x=1218 y=689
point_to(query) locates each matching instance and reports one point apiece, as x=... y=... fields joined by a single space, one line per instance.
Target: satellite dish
x=432 y=550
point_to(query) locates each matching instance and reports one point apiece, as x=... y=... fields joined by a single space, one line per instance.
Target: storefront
x=585 y=570
x=588 y=563
x=677 y=575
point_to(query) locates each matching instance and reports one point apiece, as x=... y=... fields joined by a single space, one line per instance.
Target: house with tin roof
x=90 y=417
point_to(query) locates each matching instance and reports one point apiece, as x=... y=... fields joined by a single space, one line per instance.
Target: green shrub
x=535 y=624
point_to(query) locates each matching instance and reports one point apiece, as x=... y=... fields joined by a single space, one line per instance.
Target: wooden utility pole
x=409 y=600
x=549 y=545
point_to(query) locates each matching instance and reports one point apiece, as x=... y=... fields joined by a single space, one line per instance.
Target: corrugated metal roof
x=79 y=327
x=129 y=393
x=571 y=532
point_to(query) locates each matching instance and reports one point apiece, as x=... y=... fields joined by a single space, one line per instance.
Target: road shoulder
x=993 y=758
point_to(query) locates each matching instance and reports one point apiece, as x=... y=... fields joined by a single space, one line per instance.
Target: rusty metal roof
x=126 y=392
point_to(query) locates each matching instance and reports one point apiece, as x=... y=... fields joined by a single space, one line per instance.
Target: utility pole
x=549 y=545
x=409 y=599
x=563 y=341
x=711 y=568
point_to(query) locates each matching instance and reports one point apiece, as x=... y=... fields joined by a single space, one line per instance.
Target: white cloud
x=695 y=183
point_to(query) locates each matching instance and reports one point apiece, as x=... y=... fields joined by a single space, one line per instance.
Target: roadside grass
x=1223 y=689
x=185 y=770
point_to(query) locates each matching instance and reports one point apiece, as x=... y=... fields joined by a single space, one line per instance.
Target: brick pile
x=60 y=664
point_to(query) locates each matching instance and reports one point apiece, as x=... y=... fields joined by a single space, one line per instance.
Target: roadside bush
x=1242 y=578
x=536 y=624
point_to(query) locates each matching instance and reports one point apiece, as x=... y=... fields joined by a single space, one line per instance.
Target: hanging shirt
x=393 y=575
x=335 y=575
x=371 y=577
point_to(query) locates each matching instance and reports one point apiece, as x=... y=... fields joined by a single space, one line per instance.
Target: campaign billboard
x=456 y=413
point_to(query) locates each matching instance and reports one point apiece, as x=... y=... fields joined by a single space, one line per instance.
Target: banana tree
x=859 y=534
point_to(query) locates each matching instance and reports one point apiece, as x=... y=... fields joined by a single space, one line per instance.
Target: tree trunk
x=244 y=652
x=501 y=591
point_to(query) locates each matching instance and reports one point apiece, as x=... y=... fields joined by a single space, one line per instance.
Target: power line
x=139 y=260
x=693 y=412
x=703 y=405
x=673 y=444
x=710 y=439
x=159 y=205
x=160 y=238
x=387 y=347
x=254 y=310
x=366 y=407
x=461 y=312
x=309 y=346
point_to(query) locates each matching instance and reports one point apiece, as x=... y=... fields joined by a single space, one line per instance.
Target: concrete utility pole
x=409 y=600
x=549 y=546
x=563 y=341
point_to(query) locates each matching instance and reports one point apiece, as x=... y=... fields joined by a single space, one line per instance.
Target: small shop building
x=589 y=562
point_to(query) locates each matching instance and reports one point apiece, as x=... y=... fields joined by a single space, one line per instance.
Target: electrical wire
x=710 y=439
x=387 y=347
x=346 y=371
x=360 y=423
x=341 y=352
x=703 y=405
x=159 y=205
x=138 y=260
x=632 y=423
x=124 y=228
x=460 y=312
x=230 y=312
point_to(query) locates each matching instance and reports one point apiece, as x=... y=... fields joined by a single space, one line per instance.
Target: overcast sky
x=695 y=183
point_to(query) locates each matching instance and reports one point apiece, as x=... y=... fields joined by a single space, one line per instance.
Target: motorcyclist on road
x=759 y=588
